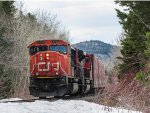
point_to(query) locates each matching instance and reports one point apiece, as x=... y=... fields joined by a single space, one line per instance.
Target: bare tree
x=22 y=31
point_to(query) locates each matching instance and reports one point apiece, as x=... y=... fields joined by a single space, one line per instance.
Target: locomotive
x=58 y=69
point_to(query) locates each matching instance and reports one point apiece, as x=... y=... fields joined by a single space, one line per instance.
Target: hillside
x=106 y=52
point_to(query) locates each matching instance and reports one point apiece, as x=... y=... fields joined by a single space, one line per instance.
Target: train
x=58 y=69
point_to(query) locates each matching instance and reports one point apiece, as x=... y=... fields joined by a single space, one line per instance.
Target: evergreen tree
x=135 y=22
x=7 y=7
x=7 y=11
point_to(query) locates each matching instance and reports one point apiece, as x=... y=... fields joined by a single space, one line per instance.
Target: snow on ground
x=11 y=99
x=59 y=106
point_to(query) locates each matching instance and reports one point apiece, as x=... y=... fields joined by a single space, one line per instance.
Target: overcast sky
x=85 y=20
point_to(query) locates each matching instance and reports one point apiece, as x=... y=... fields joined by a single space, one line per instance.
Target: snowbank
x=11 y=99
x=59 y=106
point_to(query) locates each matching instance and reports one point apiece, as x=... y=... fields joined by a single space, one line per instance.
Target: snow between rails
x=59 y=106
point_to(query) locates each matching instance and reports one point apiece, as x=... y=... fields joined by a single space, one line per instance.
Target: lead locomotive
x=58 y=69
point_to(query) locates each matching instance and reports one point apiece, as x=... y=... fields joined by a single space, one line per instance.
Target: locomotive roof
x=48 y=42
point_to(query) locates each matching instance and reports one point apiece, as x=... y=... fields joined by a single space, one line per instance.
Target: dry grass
x=128 y=93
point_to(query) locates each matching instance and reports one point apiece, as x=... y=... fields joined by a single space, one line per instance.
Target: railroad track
x=48 y=99
x=27 y=100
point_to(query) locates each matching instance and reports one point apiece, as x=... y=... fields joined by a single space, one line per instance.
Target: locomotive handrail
x=63 y=70
x=33 y=68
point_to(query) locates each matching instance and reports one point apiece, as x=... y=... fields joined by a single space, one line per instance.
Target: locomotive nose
x=48 y=64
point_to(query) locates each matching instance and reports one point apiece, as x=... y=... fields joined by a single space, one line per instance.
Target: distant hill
x=106 y=52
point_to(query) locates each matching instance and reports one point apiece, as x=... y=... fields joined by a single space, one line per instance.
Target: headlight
x=37 y=73
x=47 y=56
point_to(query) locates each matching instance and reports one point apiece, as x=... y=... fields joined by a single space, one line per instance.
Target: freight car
x=58 y=69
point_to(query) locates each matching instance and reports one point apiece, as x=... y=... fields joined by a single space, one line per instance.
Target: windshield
x=35 y=49
x=58 y=48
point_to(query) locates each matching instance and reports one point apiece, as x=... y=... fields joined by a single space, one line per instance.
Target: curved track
x=49 y=99
x=28 y=100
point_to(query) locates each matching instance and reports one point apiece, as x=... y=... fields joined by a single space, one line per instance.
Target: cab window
x=35 y=49
x=59 y=48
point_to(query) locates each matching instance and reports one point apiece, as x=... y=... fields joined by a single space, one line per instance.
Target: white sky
x=86 y=20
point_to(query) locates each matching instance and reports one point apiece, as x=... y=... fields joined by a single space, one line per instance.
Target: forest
x=17 y=31
x=128 y=82
x=131 y=74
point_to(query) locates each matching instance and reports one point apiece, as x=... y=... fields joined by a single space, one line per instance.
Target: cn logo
x=47 y=67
